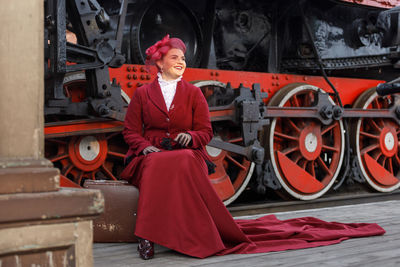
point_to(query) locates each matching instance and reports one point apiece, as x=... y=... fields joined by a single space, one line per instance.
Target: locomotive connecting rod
x=253 y=152
x=226 y=113
x=313 y=112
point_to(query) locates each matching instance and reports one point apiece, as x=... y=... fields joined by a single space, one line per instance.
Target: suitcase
x=117 y=222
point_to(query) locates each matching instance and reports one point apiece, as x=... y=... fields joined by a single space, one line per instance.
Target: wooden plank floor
x=380 y=251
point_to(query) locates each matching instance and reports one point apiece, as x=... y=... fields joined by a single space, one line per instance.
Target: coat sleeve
x=201 y=129
x=133 y=125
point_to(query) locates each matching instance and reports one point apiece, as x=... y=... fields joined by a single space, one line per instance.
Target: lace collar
x=164 y=82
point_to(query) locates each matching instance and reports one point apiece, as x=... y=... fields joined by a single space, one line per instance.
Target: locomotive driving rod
x=314 y=112
x=228 y=113
x=258 y=115
x=324 y=111
x=253 y=152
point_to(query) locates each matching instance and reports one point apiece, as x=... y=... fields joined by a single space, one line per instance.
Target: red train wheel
x=233 y=172
x=306 y=156
x=93 y=157
x=376 y=143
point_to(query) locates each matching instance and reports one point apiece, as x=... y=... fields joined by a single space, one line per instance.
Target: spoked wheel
x=376 y=143
x=233 y=172
x=305 y=154
x=98 y=156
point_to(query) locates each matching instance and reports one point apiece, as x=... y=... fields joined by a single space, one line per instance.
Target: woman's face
x=173 y=64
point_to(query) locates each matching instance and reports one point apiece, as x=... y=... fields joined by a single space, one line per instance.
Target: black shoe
x=146 y=249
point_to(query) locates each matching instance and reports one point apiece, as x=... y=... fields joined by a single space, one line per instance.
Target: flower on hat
x=160 y=48
x=153 y=49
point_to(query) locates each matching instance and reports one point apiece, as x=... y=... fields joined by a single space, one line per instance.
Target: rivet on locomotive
x=291 y=87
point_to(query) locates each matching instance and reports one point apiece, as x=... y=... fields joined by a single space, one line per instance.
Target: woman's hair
x=159 y=49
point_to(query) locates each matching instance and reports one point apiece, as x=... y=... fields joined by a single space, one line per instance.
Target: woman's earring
x=161 y=70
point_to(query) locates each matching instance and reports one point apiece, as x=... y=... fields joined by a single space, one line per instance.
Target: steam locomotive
x=291 y=88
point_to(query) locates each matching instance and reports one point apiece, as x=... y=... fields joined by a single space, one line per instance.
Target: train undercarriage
x=280 y=124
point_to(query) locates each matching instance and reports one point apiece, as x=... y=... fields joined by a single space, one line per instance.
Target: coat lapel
x=155 y=96
x=179 y=93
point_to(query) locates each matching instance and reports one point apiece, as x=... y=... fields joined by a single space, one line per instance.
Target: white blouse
x=168 y=89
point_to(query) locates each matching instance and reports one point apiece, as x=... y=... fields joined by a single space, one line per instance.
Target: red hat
x=159 y=49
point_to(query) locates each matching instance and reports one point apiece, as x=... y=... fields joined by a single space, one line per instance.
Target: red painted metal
x=131 y=76
x=68 y=154
x=217 y=115
x=388 y=151
x=81 y=127
x=375 y=3
x=380 y=174
x=380 y=156
x=300 y=145
x=75 y=89
x=225 y=185
x=287 y=141
x=310 y=130
x=220 y=179
x=297 y=177
x=65 y=182
x=77 y=159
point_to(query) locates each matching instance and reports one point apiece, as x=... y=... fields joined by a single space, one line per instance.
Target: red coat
x=147 y=121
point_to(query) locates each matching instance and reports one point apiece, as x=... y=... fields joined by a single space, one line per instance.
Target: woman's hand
x=183 y=139
x=150 y=149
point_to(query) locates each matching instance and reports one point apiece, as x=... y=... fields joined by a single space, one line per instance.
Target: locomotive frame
x=291 y=133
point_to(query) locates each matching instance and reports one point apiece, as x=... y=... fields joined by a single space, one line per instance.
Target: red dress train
x=181 y=211
x=178 y=207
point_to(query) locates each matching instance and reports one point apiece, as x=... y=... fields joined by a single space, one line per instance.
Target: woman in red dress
x=167 y=126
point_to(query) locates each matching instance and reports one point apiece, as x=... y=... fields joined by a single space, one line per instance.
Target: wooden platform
x=380 y=251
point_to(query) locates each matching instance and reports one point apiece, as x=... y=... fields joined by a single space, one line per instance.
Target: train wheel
x=306 y=156
x=233 y=172
x=376 y=143
x=80 y=157
x=98 y=156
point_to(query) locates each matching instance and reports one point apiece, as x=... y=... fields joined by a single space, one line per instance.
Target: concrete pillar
x=22 y=82
x=21 y=100
x=40 y=224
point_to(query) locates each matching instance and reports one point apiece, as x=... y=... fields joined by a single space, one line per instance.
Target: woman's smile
x=173 y=64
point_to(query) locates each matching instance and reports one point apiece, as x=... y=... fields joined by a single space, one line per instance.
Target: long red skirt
x=179 y=209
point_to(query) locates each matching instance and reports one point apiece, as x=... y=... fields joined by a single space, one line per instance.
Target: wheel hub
x=310 y=142
x=88 y=153
x=388 y=141
x=89 y=148
x=213 y=151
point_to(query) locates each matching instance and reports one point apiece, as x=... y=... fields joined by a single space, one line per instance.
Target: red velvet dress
x=178 y=207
